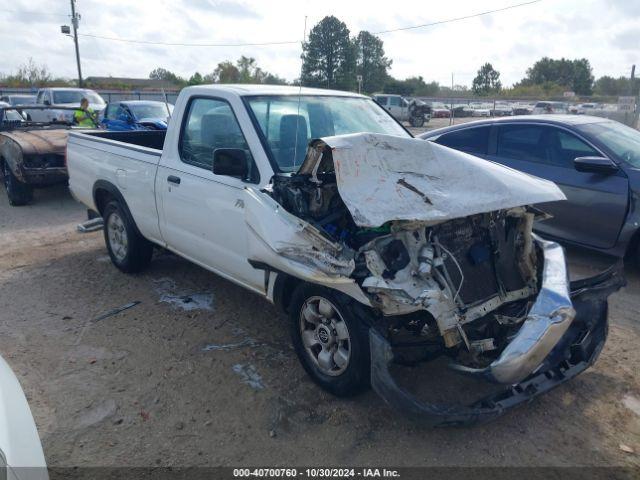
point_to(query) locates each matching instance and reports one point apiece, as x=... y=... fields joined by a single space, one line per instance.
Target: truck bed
x=143 y=138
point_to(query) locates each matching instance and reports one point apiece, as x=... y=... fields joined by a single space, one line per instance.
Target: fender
x=111 y=190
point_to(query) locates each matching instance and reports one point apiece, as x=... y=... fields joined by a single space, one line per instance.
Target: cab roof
x=247 y=90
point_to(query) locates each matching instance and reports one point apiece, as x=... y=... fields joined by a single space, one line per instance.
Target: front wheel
x=129 y=251
x=331 y=341
x=416 y=121
x=18 y=193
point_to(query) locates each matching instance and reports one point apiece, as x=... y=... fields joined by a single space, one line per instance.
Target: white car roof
x=247 y=89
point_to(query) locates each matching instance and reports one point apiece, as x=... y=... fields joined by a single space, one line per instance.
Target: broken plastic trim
x=576 y=351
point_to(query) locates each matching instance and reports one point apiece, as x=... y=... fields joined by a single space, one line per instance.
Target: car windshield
x=74 y=96
x=150 y=110
x=622 y=140
x=288 y=123
x=10 y=115
x=22 y=100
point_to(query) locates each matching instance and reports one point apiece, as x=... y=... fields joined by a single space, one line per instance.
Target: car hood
x=98 y=107
x=157 y=122
x=39 y=142
x=383 y=178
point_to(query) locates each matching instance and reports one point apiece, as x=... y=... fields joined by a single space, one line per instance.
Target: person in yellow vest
x=85 y=116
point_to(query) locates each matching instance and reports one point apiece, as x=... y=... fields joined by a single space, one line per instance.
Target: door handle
x=173 y=179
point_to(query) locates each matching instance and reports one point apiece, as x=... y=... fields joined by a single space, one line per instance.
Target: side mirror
x=232 y=162
x=47 y=102
x=600 y=165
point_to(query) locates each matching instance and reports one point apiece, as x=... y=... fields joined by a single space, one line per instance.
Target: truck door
x=201 y=213
x=397 y=109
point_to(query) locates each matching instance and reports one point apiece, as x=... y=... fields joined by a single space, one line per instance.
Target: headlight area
x=40 y=162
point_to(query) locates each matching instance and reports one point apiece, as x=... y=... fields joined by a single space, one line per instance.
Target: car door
x=202 y=214
x=596 y=204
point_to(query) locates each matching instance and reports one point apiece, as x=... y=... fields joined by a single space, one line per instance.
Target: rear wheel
x=129 y=251
x=18 y=193
x=330 y=340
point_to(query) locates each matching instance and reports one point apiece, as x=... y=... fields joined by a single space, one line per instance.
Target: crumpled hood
x=383 y=178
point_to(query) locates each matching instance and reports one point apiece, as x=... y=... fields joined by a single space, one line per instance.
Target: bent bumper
x=547 y=321
x=567 y=355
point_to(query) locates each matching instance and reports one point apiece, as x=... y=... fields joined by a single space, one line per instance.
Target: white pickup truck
x=67 y=98
x=380 y=247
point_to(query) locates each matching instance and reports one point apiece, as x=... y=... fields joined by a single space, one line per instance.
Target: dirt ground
x=151 y=386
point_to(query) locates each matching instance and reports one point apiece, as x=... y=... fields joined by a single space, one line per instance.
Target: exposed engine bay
x=464 y=284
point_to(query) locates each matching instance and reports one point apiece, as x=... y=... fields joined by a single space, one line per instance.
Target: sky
x=607 y=32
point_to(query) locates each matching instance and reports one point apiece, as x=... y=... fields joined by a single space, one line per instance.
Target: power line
x=291 y=42
x=168 y=44
x=36 y=13
x=480 y=14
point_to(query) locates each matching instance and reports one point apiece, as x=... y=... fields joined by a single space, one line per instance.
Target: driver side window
x=210 y=124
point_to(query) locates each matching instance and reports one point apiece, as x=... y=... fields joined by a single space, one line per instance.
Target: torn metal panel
x=288 y=244
x=383 y=178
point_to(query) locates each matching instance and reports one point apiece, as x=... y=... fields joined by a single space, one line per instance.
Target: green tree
x=226 y=72
x=196 y=79
x=328 y=58
x=166 y=75
x=487 y=80
x=574 y=75
x=33 y=74
x=249 y=70
x=371 y=62
x=272 y=79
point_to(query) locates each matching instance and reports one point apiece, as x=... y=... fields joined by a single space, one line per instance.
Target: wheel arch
x=283 y=289
x=104 y=192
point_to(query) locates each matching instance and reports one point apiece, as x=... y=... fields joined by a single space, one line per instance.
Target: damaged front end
x=439 y=245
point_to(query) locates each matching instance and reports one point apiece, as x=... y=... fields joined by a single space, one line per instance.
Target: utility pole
x=74 y=21
x=633 y=77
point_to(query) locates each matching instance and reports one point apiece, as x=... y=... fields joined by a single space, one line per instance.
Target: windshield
x=74 y=96
x=620 y=139
x=288 y=123
x=10 y=115
x=150 y=110
x=22 y=99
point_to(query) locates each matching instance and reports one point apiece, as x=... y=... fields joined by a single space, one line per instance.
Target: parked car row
x=58 y=103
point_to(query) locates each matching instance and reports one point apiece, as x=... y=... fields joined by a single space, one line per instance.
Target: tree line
x=333 y=58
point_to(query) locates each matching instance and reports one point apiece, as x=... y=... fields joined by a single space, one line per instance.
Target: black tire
x=130 y=252
x=416 y=121
x=355 y=378
x=18 y=193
